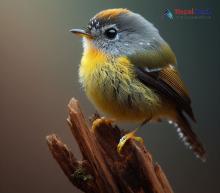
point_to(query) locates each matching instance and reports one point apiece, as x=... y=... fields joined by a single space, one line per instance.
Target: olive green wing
x=154 y=58
x=168 y=83
x=155 y=67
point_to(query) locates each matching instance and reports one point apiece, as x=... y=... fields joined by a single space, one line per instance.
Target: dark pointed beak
x=81 y=33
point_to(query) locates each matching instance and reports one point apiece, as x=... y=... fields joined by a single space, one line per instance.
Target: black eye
x=111 y=33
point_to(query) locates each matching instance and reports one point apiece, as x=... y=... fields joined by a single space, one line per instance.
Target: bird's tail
x=188 y=136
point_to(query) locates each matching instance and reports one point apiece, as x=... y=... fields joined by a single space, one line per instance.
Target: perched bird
x=128 y=72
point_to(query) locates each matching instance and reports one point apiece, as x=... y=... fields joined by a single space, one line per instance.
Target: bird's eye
x=110 y=33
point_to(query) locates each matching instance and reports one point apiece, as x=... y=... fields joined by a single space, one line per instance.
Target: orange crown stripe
x=111 y=13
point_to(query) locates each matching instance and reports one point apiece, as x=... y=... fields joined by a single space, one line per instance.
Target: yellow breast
x=111 y=86
x=91 y=60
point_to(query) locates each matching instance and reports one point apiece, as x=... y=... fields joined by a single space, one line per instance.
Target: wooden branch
x=102 y=169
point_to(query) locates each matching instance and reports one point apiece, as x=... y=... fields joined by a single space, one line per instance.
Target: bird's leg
x=130 y=135
x=125 y=138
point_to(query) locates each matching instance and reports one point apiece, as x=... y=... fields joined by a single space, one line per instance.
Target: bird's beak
x=82 y=33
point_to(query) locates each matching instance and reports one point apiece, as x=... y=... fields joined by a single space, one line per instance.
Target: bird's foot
x=126 y=137
x=101 y=121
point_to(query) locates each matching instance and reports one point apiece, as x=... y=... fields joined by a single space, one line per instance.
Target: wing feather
x=171 y=76
x=168 y=83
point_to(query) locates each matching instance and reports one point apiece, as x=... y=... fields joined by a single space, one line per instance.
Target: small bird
x=128 y=71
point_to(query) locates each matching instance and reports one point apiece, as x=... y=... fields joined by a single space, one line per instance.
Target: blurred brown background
x=39 y=61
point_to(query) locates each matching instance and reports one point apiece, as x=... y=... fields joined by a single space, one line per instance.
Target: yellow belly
x=111 y=86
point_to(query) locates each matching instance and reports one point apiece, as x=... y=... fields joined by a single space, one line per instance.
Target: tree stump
x=102 y=169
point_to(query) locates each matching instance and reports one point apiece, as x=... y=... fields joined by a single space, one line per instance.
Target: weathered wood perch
x=102 y=169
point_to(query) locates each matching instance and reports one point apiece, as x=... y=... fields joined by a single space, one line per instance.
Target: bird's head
x=120 y=32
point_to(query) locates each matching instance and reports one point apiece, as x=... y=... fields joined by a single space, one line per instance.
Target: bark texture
x=102 y=169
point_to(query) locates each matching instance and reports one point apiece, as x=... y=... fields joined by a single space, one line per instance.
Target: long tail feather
x=188 y=136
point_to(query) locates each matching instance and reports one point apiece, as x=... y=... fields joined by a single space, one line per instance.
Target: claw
x=101 y=121
x=126 y=137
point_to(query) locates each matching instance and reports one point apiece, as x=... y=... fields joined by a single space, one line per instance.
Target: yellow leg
x=126 y=137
